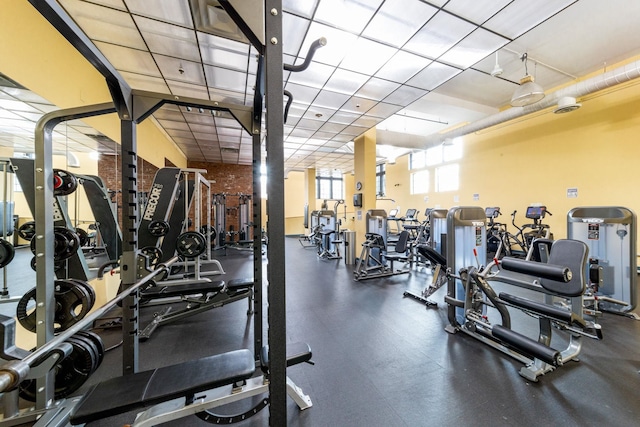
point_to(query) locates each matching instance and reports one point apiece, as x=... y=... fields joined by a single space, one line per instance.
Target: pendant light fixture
x=528 y=92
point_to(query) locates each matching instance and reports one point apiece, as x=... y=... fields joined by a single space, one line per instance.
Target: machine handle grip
x=546 y=271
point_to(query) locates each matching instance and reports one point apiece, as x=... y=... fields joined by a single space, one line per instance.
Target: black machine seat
x=572 y=254
x=543 y=309
x=240 y=284
x=122 y=394
x=181 y=290
x=433 y=256
x=401 y=248
x=298 y=352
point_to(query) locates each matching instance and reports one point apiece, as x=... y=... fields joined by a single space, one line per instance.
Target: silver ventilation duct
x=609 y=79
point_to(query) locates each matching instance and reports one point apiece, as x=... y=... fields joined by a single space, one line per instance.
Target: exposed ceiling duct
x=609 y=79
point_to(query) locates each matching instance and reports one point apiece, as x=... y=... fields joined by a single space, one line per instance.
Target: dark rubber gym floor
x=385 y=360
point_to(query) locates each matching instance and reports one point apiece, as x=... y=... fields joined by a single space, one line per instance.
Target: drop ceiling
x=409 y=68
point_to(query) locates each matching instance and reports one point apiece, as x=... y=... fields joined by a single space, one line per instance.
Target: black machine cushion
x=543 y=309
x=572 y=254
x=240 y=284
x=180 y=290
x=298 y=352
x=433 y=256
x=147 y=388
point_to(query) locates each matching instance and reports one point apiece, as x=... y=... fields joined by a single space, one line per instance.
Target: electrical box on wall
x=357 y=200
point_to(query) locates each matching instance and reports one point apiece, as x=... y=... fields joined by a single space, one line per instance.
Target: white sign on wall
x=572 y=193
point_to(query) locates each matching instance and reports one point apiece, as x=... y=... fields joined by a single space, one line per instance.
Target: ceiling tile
x=521 y=15
x=315 y=76
x=339 y=43
x=171 y=124
x=473 y=48
x=377 y=89
x=104 y=24
x=294 y=29
x=180 y=70
x=398 y=20
x=169 y=39
x=146 y=83
x=302 y=94
x=367 y=56
x=343 y=117
x=310 y=124
x=187 y=89
x=221 y=78
x=173 y=11
x=383 y=110
x=132 y=60
x=405 y=95
x=330 y=99
x=402 y=66
x=333 y=127
x=346 y=82
x=350 y=15
x=223 y=52
x=302 y=8
x=441 y=33
x=358 y=105
x=433 y=76
x=226 y=96
x=476 y=11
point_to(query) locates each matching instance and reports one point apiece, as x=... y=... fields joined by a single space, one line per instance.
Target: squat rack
x=132 y=108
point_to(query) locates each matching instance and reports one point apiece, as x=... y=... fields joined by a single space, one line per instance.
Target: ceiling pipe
x=607 y=80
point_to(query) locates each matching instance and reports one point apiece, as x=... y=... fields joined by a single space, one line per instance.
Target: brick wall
x=230 y=180
x=224 y=178
x=110 y=170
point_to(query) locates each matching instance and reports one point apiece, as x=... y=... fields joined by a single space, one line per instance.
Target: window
x=381 y=179
x=434 y=155
x=417 y=160
x=420 y=182
x=447 y=178
x=329 y=184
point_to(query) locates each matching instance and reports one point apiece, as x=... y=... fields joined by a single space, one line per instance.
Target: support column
x=310 y=190
x=365 y=174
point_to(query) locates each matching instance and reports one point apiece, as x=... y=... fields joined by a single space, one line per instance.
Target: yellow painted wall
x=536 y=159
x=35 y=55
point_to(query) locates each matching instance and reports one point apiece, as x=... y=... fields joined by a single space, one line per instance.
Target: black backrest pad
x=432 y=255
x=401 y=244
x=122 y=394
x=572 y=254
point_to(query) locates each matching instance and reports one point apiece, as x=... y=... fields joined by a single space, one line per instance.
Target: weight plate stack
x=66 y=243
x=72 y=303
x=7 y=252
x=27 y=230
x=71 y=372
x=64 y=183
x=191 y=244
x=158 y=228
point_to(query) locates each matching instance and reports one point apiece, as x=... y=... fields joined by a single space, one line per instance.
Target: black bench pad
x=432 y=255
x=122 y=394
x=239 y=284
x=298 y=352
x=542 y=308
x=180 y=290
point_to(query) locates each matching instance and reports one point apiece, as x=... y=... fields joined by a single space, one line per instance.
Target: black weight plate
x=73 y=302
x=7 y=252
x=27 y=230
x=70 y=373
x=91 y=347
x=57 y=266
x=191 y=244
x=66 y=243
x=26 y=310
x=158 y=228
x=154 y=254
x=211 y=230
x=88 y=288
x=64 y=183
x=83 y=236
x=97 y=341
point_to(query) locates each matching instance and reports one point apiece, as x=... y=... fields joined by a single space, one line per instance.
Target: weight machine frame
x=133 y=107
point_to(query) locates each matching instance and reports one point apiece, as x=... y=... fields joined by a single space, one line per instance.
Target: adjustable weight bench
x=439 y=264
x=212 y=295
x=169 y=392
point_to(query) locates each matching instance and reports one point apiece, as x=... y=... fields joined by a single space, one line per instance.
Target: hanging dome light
x=529 y=92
